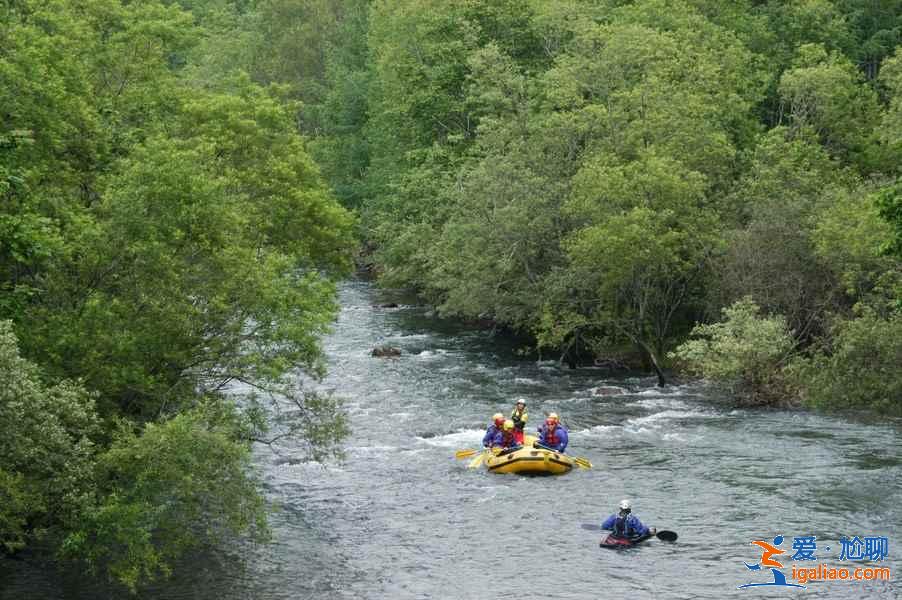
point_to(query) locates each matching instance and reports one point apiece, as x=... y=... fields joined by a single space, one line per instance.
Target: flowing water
x=401 y=518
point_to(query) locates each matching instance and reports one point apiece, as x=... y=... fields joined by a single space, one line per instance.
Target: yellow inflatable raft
x=530 y=461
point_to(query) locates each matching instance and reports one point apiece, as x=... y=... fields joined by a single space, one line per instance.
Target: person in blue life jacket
x=493 y=434
x=552 y=434
x=626 y=525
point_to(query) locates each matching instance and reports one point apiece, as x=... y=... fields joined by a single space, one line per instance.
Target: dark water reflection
x=402 y=519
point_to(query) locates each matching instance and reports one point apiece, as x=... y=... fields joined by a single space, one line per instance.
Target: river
x=401 y=518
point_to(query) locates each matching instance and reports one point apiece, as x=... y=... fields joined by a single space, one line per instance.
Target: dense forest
x=690 y=184
x=603 y=176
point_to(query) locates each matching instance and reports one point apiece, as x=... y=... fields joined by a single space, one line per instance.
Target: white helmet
x=625 y=504
x=521 y=401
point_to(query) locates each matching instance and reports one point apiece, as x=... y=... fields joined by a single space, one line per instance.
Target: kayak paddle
x=664 y=535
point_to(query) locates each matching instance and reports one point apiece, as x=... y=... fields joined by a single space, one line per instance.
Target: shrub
x=743 y=354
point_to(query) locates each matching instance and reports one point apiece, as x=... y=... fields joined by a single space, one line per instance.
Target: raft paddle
x=466 y=453
x=473 y=464
x=469 y=452
x=579 y=461
x=476 y=462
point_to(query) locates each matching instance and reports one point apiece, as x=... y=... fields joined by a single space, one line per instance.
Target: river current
x=401 y=518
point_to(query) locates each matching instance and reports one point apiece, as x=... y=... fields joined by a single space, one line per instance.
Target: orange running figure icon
x=769 y=550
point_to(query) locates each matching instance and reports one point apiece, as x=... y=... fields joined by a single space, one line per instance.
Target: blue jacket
x=631 y=527
x=492 y=436
x=560 y=433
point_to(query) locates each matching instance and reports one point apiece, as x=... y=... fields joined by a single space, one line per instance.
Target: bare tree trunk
x=647 y=351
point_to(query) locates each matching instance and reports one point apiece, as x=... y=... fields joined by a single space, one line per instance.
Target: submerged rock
x=609 y=390
x=385 y=352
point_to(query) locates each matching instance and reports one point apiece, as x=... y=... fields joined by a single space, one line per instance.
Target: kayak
x=610 y=541
x=530 y=461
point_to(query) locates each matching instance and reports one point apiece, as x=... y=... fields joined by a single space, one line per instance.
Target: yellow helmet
x=508 y=425
x=553 y=416
x=498 y=418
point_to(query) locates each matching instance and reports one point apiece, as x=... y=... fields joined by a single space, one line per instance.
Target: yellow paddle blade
x=476 y=462
x=465 y=453
x=581 y=462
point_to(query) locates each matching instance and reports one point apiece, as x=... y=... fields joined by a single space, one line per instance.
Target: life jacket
x=619 y=529
x=508 y=439
x=622 y=528
x=517 y=418
x=551 y=435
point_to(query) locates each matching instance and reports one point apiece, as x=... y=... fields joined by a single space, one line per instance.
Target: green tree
x=851 y=238
x=770 y=255
x=877 y=28
x=640 y=256
x=890 y=126
x=825 y=93
x=859 y=368
x=47 y=440
x=889 y=202
x=180 y=484
x=235 y=228
x=164 y=233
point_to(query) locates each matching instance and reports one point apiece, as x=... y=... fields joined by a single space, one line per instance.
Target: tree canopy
x=165 y=233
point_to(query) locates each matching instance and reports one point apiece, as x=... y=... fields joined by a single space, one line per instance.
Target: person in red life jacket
x=509 y=441
x=552 y=435
x=519 y=417
x=492 y=435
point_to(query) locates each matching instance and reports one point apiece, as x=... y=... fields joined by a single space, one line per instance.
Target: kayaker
x=519 y=417
x=625 y=525
x=552 y=434
x=492 y=435
x=509 y=441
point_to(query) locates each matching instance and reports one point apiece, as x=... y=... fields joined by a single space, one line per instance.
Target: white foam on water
x=377 y=449
x=671 y=390
x=527 y=381
x=573 y=399
x=662 y=403
x=458 y=438
x=668 y=415
x=596 y=431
